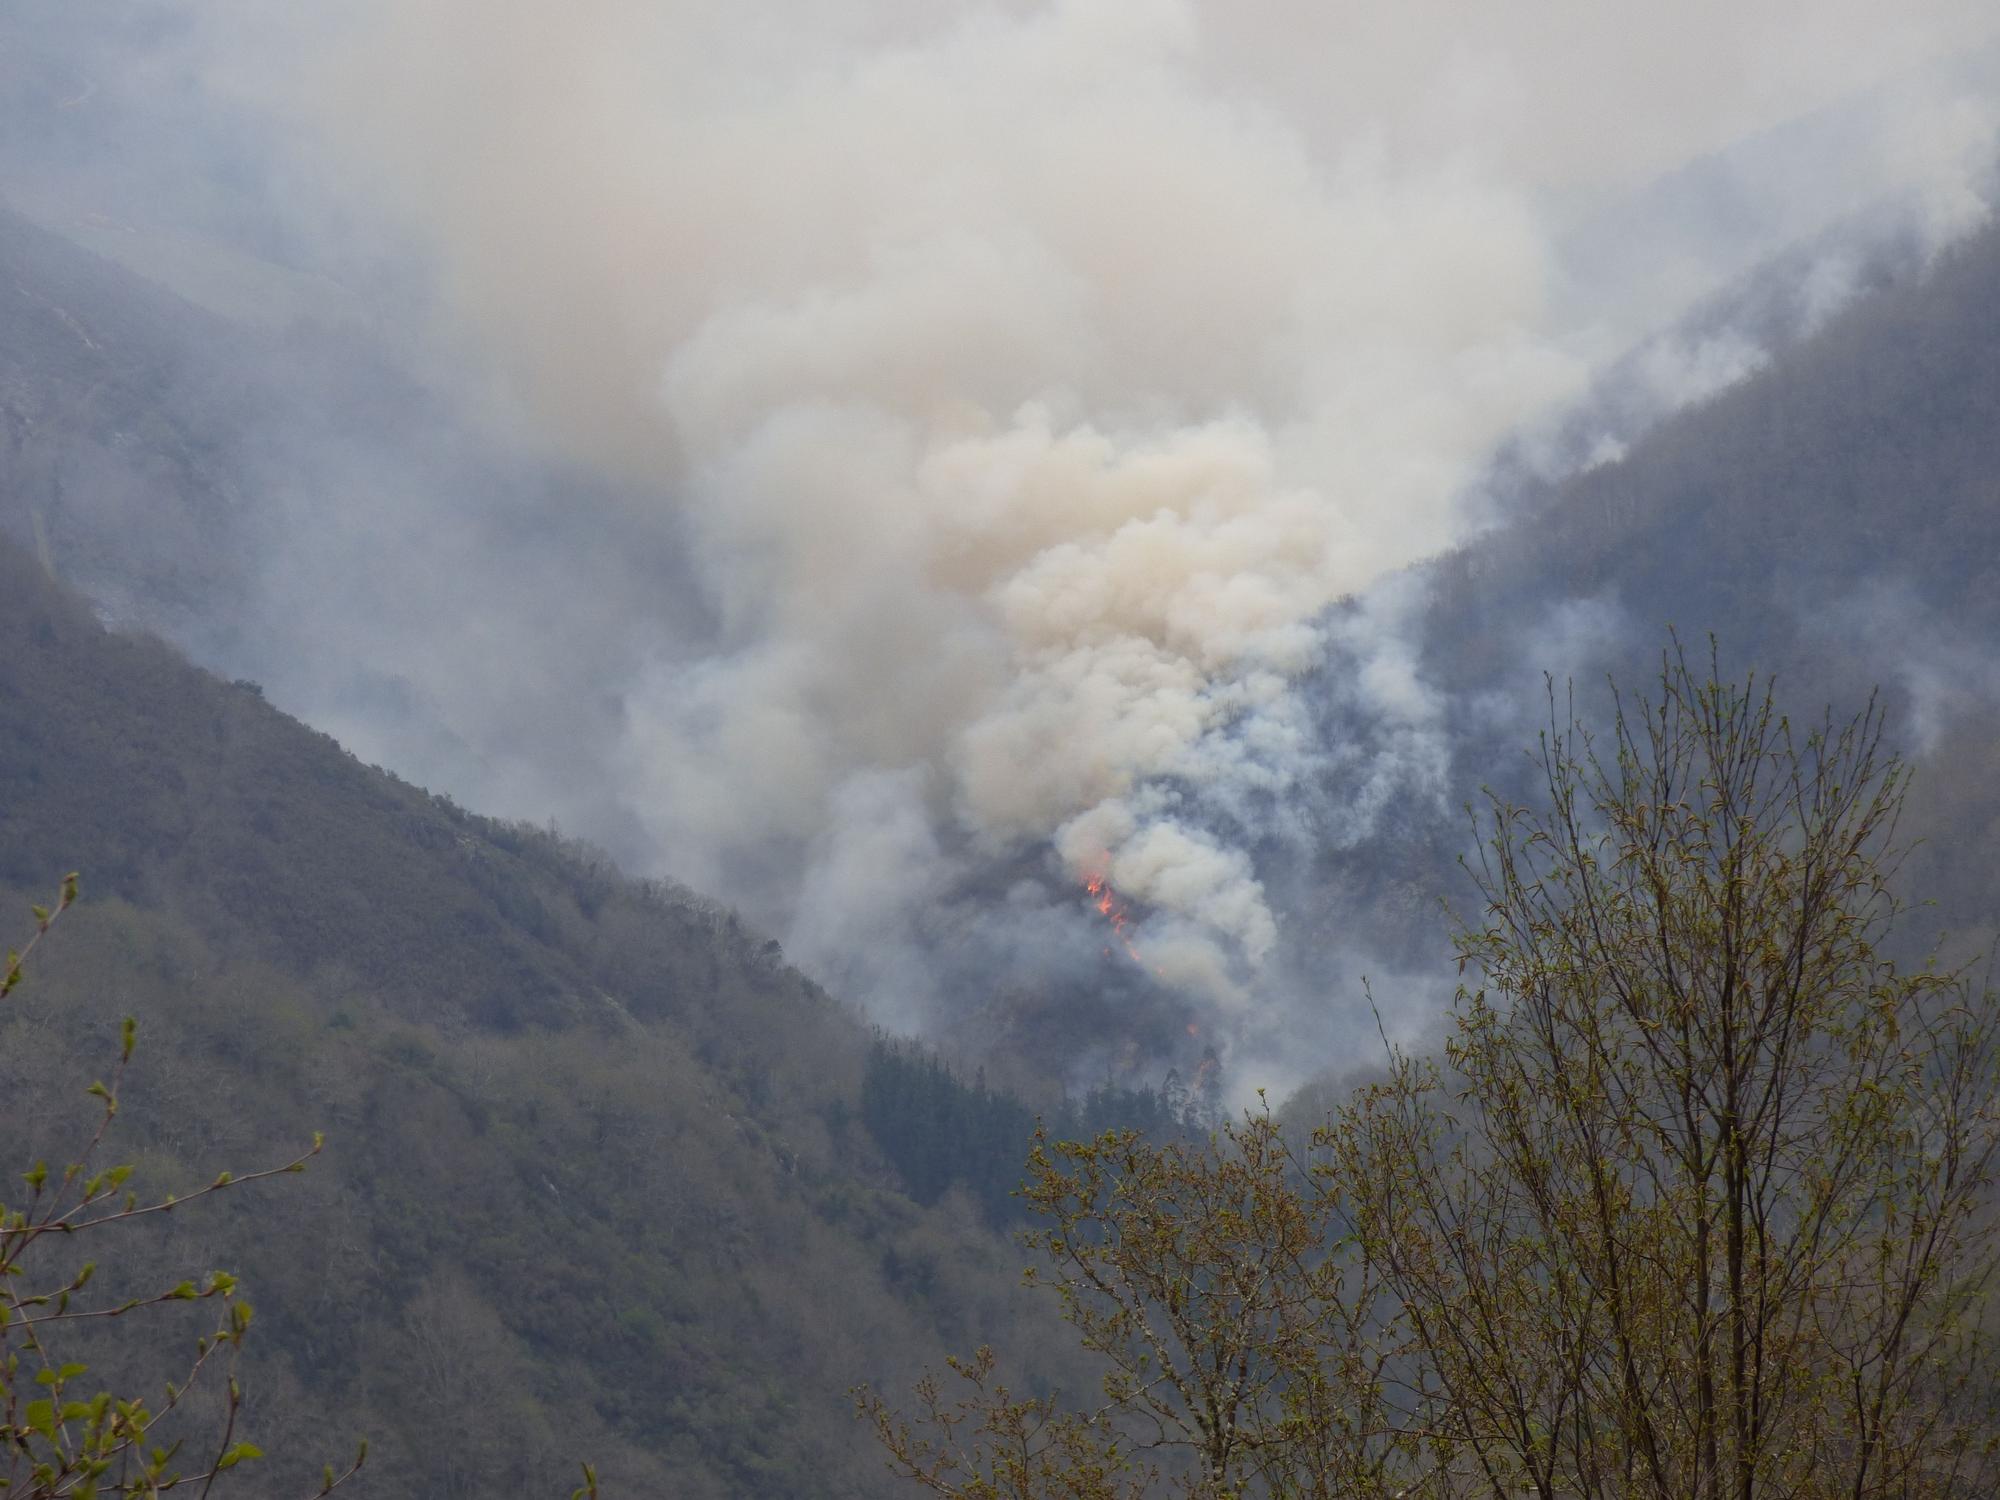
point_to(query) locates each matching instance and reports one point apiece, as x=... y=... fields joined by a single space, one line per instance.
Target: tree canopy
x=1693 y=1203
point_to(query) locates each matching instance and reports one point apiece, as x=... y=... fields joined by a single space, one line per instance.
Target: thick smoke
x=1033 y=379
x=1031 y=395
x=1030 y=382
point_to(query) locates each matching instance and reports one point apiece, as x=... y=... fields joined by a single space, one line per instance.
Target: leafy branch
x=58 y=1437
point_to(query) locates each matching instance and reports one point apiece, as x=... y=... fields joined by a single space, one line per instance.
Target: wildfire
x=1207 y=1077
x=1113 y=910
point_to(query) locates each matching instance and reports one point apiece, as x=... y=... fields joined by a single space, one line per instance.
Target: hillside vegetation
x=1834 y=521
x=605 y=1176
x=597 y=1183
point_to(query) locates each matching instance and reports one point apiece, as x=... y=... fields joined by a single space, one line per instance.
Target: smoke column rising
x=1032 y=378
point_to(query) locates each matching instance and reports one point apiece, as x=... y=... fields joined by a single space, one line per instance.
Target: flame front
x=1113 y=910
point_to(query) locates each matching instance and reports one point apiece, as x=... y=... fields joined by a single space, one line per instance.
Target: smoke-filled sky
x=1020 y=384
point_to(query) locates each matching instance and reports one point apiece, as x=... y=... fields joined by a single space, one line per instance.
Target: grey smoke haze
x=977 y=411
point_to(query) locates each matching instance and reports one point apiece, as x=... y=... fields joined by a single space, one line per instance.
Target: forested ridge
x=1694 y=1201
x=1860 y=469
x=605 y=1177
x=597 y=1181
x=1833 y=520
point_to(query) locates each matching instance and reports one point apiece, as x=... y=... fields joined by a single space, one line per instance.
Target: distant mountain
x=110 y=430
x=1863 y=465
x=1833 y=520
x=274 y=502
x=597 y=1186
x=607 y=1178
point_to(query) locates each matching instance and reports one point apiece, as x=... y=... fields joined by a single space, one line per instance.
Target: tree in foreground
x=1694 y=1206
x=61 y=1437
x=1244 y=1345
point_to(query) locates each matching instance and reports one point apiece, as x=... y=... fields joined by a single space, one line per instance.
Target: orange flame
x=1113 y=910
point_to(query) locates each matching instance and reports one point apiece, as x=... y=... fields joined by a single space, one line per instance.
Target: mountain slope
x=1833 y=520
x=1868 y=458
x=596 y=1184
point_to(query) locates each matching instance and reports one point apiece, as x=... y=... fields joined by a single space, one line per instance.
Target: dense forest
x=941 y=1132
x=1832 y=521
x=597 y=1182
x=607 y=1177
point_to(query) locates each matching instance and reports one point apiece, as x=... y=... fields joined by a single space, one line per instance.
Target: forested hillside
x=112 y=415
x=1833 y=520
x=607 y=1178
x=1801 y=515
x=270 y=500
x=597 y=1182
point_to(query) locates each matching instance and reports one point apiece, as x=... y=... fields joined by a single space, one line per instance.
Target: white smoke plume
x=1032 y=378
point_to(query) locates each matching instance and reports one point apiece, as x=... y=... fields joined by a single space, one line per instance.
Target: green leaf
x=41 y=1417
x=237 y=1455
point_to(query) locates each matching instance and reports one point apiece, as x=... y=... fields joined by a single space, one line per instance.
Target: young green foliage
x=58 y=1436
x=1694 y=1205
x=1245 y=1348
x=991 y=1445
